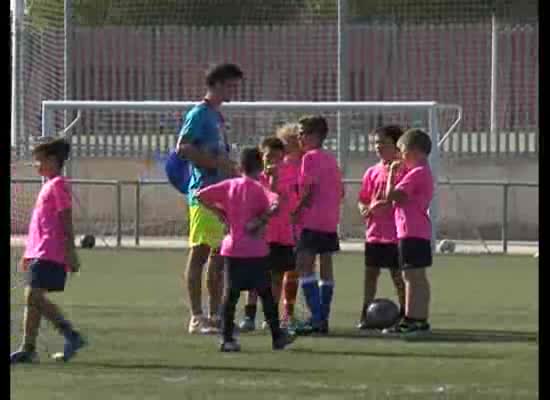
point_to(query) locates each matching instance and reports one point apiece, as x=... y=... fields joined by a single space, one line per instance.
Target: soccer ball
x=446 y=246
x=87 y=242
x=382 y=314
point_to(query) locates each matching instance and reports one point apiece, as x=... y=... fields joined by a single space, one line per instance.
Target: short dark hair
x=273 y=143
x=251 y=160
x=416 y=139
x=221 y=73
x=394 y=132
x=58 y=148
x=314 y=124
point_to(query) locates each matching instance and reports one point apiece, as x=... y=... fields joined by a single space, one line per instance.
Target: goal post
x=339 y=110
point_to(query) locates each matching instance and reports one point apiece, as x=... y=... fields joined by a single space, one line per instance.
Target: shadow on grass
x=451 y=335
x=188 y=368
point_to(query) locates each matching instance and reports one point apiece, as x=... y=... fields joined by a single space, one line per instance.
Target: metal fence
x=137 y=187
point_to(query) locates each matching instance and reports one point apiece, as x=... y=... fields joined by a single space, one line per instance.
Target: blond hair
x=287 y=131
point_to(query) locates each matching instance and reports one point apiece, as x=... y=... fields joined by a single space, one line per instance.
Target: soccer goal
x=148 y=129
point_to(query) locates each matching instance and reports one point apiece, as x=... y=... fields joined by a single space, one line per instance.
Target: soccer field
x=130 y=306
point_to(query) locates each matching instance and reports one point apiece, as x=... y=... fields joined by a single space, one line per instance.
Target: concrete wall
x=466 y=212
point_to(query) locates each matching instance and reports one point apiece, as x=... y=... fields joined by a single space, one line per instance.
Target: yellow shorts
x=205 y=228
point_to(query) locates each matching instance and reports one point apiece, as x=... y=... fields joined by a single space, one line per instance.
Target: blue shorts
x=47 y=275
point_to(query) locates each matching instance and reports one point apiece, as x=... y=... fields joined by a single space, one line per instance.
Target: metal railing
x=138 y=184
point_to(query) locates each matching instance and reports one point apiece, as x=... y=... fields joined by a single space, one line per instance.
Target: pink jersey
x=279 y=228
x=411 y=216
x=381 y=226
x=320 y=171
x=46 y=238
x=295 y=166
x=241 y=200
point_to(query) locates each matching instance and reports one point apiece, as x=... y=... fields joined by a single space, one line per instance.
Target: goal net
x=127 y=141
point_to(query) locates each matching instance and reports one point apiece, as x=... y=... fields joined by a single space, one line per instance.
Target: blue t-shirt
x=203 y=127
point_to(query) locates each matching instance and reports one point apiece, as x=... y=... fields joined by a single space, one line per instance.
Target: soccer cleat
x=289 y=324
x=211 y=326
x=409 y=328
x=307 y=328
x=283 y=341
x=196 y=324
x=23 y=357
x=323 y=327
x=265 y=325
x=71 y=347
x=230 y=346
x=247 y=324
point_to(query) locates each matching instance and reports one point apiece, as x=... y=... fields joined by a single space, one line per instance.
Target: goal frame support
x=431 y=107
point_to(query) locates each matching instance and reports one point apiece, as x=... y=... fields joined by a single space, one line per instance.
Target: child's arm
x=393 y=194
x=256 y=225
x=213 y=198
x=70 y=249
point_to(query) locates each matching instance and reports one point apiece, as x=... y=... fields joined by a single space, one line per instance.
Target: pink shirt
x=294 y=166
x=279 y=228
x=411 y=216
x=380 y=227
x=241 y=200
x=320 y=170
x=46 y=237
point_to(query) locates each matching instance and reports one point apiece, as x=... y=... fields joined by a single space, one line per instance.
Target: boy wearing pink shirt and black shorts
x=412 y=195
x=321 y=193
x=279 y=178
x=245 y=206
x=381 y=249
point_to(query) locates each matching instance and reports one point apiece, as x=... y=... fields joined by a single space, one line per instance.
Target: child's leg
x=277 y=285
x=417 y=290
x=326 y=285
x=270 y=311
x=214 y=283
x=251 y=304
x=369 y=288
x=399 y=284
x=305 y=263
x=31 y=318
x=52 y=313
x=230 y=301
x=290 y=292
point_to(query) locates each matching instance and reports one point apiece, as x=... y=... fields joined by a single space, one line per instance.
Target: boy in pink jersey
x=380 y=236
x=278 y=178
x=412 y=196
x=245 y=206
x=289 y=134
x=321 y=193
x=49 y=254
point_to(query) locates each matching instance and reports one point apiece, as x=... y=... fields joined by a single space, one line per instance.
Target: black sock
x=271 y=312
x=228 y=318
x=250 y=311
x=409 y=320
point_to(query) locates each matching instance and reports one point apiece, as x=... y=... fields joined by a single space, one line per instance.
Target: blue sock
x=310 y=288
x=326 y=290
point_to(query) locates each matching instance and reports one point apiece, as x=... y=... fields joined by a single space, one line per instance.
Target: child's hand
x=396 y=165
x=271 y=170
x=254 y=227
x=363 y=210
x=23 y=264
x=376 y=206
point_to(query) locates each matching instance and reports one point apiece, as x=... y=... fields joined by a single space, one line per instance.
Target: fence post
x=137 y=216
x=118 y=214
x=505 y=218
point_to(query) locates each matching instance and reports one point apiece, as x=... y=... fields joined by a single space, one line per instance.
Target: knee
x=33 y=296
x=372 y=274
x=415 y=277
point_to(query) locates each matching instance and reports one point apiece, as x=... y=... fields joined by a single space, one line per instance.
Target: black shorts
x=47 y=275
x=381 y=255
x=317 y=242
x=282 y=258
x=247 y=273
x=415 y=253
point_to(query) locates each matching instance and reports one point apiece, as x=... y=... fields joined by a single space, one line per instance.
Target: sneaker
x=283 y=341
x=289 y=324
x=323 y=327
x=230 y=346
x=247 y=324
x=211 y=326
x=23 y=357
x=196 y=324
x=71 y=347
x=265 y=325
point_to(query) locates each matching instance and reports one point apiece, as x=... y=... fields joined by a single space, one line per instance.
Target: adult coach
x=203 y=142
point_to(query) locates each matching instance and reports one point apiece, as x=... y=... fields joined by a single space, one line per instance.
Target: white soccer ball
x=446 y=246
